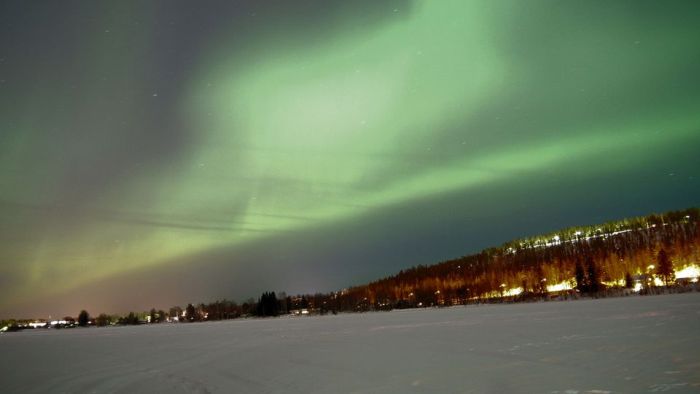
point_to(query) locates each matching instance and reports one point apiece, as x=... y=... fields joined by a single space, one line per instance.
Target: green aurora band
x=285 y=133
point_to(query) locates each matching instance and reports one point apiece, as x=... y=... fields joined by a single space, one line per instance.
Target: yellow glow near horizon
x=690 y=271
x=561 y=286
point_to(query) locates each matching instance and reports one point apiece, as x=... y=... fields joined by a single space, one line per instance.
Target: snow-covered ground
x=631 y=345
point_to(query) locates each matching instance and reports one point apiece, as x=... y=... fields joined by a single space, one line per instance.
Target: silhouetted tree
x=664 y=267
x=130 y=319
x=593 y=279
x=190 y=313
x=102 y=320
x=83 y=318
x=629 y=282
x=175 y=313
x=249 y=307
x=580 y=276
x=268 y=305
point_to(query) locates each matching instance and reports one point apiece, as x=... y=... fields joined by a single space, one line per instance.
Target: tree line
x=571 y=262
x=583 y=260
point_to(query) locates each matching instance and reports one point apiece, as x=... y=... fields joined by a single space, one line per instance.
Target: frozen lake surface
x=630 y=345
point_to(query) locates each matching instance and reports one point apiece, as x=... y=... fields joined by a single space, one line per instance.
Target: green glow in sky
x=265 y=127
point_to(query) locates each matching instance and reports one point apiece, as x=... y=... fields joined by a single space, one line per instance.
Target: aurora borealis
x=159 y=153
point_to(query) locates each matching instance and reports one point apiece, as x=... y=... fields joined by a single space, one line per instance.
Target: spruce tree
x=580 y=275
x=83 y=318
x=629 y=282
x=664 y=267
x=593 y=276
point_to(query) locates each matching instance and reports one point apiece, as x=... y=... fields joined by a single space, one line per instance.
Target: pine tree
x=190 y=313
x=593 y=276
x=580 y=275
x=102 y=320
x=83 y=318
x=268 y=305
x=664 y=267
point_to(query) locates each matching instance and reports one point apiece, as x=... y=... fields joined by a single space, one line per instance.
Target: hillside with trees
x=640 y=255
x=641 y=252
x=621 y=257
x=645 y=255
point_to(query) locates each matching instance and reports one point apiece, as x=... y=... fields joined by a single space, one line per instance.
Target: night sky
x=164 y=152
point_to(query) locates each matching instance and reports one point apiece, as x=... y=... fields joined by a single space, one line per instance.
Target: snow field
x=629 y=345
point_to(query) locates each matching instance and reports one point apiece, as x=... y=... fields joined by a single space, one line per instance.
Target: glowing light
x=561 y=286
x=513 y=292
x=637 y=287
x=691 y=271
x=620 y=282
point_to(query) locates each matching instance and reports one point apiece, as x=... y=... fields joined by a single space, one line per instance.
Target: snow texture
x=630 y=345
